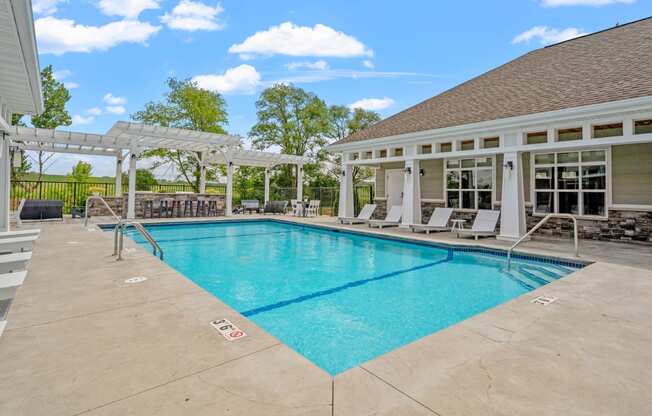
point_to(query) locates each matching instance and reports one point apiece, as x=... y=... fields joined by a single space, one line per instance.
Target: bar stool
x=167 y=207
x=148 y=205
x=187 y=208
x=201 y=206
x=212 y=206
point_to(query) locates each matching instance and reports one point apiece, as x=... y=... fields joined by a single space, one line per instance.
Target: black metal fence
x=74 y=194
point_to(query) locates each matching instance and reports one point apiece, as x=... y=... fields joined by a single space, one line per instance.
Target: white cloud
x=368 y=64
x=59 y=36
x=61 y=74
x=547 y=35
x=79 y=120
x=115 y=109
x=94 y=111
x=317 y=65
x=126 y=8
x=46 y=7
x=305 y=77
x=70 y=85
x=292 y=40
x=557 y=3
x=372 y=104
x=111 y=99
x=192 y=15
x=242 y=79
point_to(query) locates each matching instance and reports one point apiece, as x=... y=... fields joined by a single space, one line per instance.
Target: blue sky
x=115 y=55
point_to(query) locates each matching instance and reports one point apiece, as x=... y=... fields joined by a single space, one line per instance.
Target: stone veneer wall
x=119 y=204
x=381 y=209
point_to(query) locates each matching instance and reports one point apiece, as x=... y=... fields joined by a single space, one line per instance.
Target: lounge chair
x=484 y=224
x=393 y=218
x=364 y=215
x=14 y=262
x=17 y=245
x=21 y=233
x=438 y=221
x=250 y=205
x=275 y=207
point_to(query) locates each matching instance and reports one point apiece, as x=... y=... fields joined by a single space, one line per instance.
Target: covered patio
x=128 y=140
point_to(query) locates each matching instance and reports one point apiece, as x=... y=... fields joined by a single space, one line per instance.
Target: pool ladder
x=539 y=225
x=120 y=227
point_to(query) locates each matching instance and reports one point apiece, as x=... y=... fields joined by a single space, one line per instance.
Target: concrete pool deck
x=82 y=341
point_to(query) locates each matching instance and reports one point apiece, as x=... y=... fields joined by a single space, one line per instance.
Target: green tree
x=293 y=120
x=343 y=123
x=144 y=179
x=185 y=106
x=54 y=115
x=17 y=172
x=81 y=172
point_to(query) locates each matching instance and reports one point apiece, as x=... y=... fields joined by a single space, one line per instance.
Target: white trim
x=433 y=200
x=630 y=207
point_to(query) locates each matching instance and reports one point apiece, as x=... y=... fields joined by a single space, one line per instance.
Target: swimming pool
x=340 y=298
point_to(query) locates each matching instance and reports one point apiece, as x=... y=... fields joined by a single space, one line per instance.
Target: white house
x=562 y=129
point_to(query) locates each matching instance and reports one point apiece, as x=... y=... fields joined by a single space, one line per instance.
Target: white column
x=267 y=172
x=346 y=209
x=411 y=194
x=202 y=173
x=512 y=205
x=118 y=174
x=131 y=200
x=229 y=189
x=299 y=182
x=5 y=182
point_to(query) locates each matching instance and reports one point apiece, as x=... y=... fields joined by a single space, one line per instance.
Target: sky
x=115 y=55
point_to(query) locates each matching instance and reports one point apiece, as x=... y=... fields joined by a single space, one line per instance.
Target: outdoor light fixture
x=230 y=163
x=343 y=172
x=408 y=170
x=509 y=165
x=422 y=172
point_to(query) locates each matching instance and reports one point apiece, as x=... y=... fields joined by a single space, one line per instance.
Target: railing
x=118 y=238
x=98 y=198
x=539 y=225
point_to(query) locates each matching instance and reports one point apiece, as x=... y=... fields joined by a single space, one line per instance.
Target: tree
x=343 y=123
x=185 y=106
x=81 y=172
x=55 y=97
x=17 y=172
x=293 y=120
x=144 y=179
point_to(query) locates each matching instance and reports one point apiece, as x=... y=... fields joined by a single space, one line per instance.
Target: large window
x=571 y=183
x=470 y=183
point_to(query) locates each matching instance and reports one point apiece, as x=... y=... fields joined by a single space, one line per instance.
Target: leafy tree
x=343 y=123
x=18 y=172
x=81 y=172
x=55 y=97
x=185 y=106
x=293 y=120
x=145 y=179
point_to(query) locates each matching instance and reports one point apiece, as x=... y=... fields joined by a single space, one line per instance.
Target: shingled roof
x=605 y=66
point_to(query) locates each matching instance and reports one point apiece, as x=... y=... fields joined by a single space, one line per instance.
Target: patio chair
x=484 y=224
x=393 y=218
x=17 y=244
x=313 y=208
x=364 y=215
x=292 y=207
x=14 y=262
x=438 y=221
x=250 y=205
x=21 y=233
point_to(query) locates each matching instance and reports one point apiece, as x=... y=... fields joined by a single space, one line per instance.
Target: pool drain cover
x=229 y=331
x=137 y=279
x=544 y=300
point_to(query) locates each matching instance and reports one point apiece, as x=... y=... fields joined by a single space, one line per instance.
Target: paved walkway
x=82 y=341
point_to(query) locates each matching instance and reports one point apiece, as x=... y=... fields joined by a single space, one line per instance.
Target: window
x=382 y=153
x=566 y=135
x=356 y=156
x=445 y=147
x=425 y=149
x=367 y=155
x=467 y=145
x=539 y=137
x=570 y=183
x=643 y=126
x=470 y=183
x=607 y=130
x=491 y=142
x=398 y=151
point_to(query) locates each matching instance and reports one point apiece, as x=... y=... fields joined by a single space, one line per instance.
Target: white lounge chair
x=14 y=262
x=438 y=221
x=17 y=245
x=21 y=233
x=364 y=215
x=484 y=224
x=393 y=218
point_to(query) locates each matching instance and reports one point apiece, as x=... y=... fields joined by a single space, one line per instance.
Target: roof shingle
x=610 y=65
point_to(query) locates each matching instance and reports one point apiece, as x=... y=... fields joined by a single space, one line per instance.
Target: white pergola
x=134 y=138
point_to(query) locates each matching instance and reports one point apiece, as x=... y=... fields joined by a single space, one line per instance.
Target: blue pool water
x=338 y=298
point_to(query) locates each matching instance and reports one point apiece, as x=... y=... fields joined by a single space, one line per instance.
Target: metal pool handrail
x=99 y=198
x=118 y=238
x=539 y=225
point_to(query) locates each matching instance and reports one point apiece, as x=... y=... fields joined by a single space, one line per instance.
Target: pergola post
x=346 y=192
x=5 y=181
x=411 y=194
x=267 y=172
x=131 y=197
x=512 y=206
x=299 y=182
x=118 y=174
x=229 y=189
x=202 y=173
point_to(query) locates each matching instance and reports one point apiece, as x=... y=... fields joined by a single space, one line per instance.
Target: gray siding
x=631 y=172
x=432 y=182
x=380 y=176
